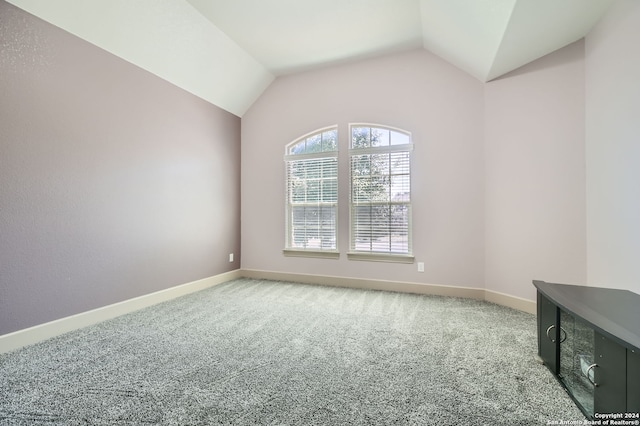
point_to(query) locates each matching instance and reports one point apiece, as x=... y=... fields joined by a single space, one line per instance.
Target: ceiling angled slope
x=289 y=36
x=168 y=38
x=489 y=38
x=539 y=27
x=229 y=51
x=485 y=38
x=466 y=33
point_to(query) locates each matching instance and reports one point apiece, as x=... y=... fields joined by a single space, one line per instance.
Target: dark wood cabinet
x=610 y=390
x=589 y=338
x=633 y=384
x=549 y=326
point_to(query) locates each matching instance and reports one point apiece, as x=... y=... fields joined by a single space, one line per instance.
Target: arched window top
x=322 y=140
x=376 y=136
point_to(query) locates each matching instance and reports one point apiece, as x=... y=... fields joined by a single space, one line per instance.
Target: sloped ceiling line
x=229 y=51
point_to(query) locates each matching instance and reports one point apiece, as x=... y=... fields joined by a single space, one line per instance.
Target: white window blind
x=380 y=190
x=312 y=193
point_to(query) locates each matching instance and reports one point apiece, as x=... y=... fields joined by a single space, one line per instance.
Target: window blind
x=312 y=192
x=380 y=190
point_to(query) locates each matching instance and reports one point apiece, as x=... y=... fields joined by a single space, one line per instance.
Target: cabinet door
x=576 y=356
x=548 y=333
x=633 y=381
x=610 y=394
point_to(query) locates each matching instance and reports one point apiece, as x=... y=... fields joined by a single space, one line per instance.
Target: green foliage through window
x=380 y=190
x=312 y=192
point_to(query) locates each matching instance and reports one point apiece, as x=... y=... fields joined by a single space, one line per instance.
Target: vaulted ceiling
x=229 y=51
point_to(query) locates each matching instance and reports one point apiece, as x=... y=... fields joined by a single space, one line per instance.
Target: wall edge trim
x=507 y=300
x=28 y=336
x=514 y=302
x=369 y=284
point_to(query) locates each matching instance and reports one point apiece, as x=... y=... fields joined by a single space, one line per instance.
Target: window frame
x=371 y=255
x=289 y=157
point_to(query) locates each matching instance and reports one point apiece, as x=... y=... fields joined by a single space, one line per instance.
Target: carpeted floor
x=265 y=352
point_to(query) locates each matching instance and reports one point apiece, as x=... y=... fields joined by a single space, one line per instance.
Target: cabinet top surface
x=613 y=312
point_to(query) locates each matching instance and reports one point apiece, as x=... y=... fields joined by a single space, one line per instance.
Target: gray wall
x=415 y=91
x=535 y=174
x=613 y=148
x=498 y=177
x=113 y=182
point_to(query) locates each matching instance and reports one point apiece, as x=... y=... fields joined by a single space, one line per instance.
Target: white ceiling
x=229 y=51
x=486 y=38
x=292 y=35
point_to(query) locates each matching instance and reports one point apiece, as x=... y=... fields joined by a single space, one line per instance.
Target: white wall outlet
x=420 y=266
x=230 y=257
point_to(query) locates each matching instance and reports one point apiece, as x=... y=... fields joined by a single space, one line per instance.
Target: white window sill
x=311 y=253
x=381 y=257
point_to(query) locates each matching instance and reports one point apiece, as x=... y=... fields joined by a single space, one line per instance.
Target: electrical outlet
x=230 y=257
x=420 y=266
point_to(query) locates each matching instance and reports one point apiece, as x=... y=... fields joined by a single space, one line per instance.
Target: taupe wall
x=613 y=148
x=498 y=168
x=535 y=174
x=416 y=91
x=113 y=182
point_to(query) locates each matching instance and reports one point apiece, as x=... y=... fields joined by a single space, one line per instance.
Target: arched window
x=312 y=194
x=380 y=202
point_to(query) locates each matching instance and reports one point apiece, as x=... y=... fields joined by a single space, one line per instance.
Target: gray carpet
x=264 y=352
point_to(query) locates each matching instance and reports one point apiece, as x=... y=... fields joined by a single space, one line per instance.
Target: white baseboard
x=514 y=302
x=518 y=303
x=38 y=333
x=35 y=334
x=370 y=284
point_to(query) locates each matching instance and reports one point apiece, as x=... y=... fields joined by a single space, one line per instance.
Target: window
x=380 y=205
x=380 y=194
x=312 y=194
